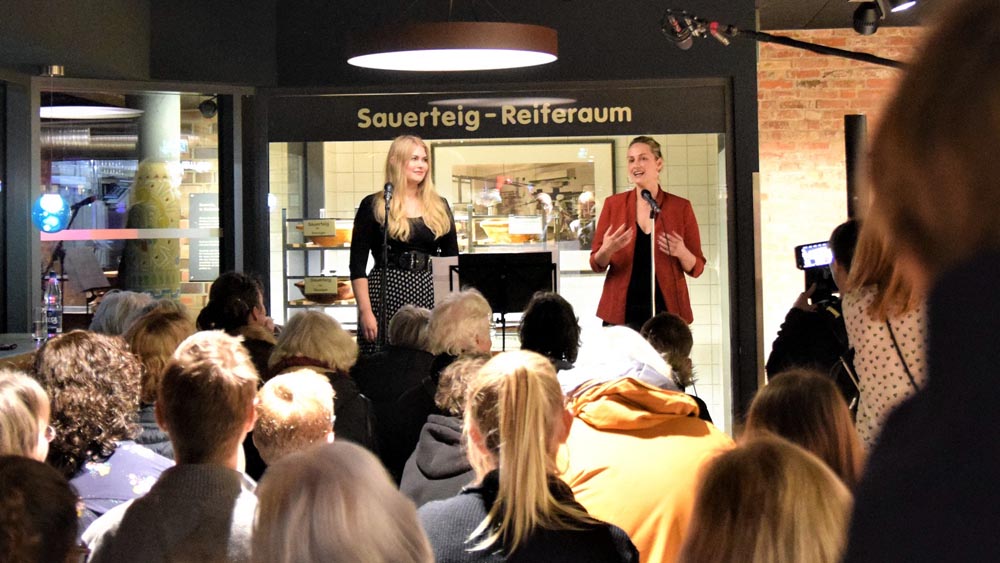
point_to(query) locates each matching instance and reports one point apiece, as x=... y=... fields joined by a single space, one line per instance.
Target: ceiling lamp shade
x=454 y=46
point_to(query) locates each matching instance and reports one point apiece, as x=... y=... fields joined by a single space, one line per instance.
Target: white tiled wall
x=692 y=170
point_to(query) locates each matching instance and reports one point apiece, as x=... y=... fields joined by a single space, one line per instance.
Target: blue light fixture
x=50 y=213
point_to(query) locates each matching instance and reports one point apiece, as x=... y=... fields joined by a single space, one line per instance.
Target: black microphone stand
x=59 y=253
x=653 y=214
x=382 y=324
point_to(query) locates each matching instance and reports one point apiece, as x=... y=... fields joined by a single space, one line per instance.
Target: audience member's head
x=408 y=327
x=24 y=416
x=235 y=301
x=806 y=408
x=93 y=385
x=768 y=501
x=875 y=264
x=38 y=521
x=461 y=323
x=454 y=383
x=160 y=305
x=671 y=336
x=111 y=316
x=206 y=398
x=620 y=352
x=550 y=327
x=313 y=338
x=843 y=241
x=335 y=502
x=934 y=178
x=515 y=419
x=294 y=411
x=153 y=338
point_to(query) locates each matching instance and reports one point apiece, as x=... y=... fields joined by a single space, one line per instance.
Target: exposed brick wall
x=802 y=100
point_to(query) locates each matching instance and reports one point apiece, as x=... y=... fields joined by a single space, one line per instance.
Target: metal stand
x=383 y=325
x=652 y=261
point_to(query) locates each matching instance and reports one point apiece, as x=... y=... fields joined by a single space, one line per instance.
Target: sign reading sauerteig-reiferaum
x=471 y=119
x=692 y=107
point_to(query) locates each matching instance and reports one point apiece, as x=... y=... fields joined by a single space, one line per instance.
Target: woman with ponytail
x=518 y=510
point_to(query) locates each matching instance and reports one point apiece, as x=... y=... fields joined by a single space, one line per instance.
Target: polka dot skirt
x=404 y=287
x=884 y=383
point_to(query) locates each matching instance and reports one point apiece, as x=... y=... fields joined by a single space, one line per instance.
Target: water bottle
x=54 y=305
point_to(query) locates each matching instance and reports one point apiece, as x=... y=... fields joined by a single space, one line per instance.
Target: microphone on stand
x=650 y=200
x=83 y=202
x=388 y=191
x=679 y=33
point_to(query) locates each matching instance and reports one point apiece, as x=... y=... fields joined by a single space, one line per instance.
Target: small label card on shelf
x=320 y=286
x=319 y=227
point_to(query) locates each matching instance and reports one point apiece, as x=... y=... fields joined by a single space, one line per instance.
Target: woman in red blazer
x=622 y=241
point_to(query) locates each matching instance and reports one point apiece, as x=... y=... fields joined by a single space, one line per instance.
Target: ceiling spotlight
x=454 y=46
x=208 y=108
x=900 y=5
x=866 y=18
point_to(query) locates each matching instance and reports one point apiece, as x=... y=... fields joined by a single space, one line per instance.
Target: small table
x=22 y=356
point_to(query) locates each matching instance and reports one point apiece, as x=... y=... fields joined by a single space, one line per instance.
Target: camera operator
x=813 y=334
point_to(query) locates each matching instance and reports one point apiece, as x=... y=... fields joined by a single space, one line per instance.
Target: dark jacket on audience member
x=399 y=426
x=448 y=524
x=355 y=416
x=438 y=468
x=814 y=339
x=152 y=436
x=384 y=376
x=928 y=492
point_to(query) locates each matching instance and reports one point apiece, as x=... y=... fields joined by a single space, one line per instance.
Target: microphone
x=83 y=202
x=679 y=34
x=388 y=191
x=650 y=200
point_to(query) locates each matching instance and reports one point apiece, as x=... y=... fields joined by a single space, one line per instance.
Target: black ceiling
x=829 y=14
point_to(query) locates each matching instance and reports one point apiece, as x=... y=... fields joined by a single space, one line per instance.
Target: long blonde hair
x=335 y=502
x=516 y=406
x=874 y=265
x=768 y=501
x=23 y=403
x=435 y=215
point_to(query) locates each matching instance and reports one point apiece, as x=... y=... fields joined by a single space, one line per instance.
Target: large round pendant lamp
x=454 y=46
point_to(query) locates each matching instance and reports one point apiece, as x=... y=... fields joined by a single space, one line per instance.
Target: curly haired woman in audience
x=806 y=408
x=768 y=501
x=335 y=502
x=93 y=383
x=519 y=509
x=24 y=416
x=153 y=339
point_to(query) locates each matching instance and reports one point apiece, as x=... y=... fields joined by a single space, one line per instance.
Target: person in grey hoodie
x=438 y=468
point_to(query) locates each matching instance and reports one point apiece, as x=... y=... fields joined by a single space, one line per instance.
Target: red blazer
x=676 y=215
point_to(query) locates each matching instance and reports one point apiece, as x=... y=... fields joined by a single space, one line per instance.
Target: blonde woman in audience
x=768 y=501
x=153 y=338
x=294 y=411
x=519 y=509
x=315 y=340
x=24 y=416
x=886 y=326
x=806 y=408
x=335 y=502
